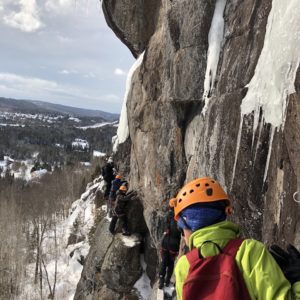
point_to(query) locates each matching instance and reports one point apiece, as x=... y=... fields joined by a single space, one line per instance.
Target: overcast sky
x=61 y=51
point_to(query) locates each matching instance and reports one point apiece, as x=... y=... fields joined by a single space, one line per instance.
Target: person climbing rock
x=169 y=249
x=119 y=212
x=115 y=185
x=217 y=257
x=108 y=176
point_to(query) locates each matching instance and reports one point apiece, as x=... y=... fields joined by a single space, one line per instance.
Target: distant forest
x=54 y=144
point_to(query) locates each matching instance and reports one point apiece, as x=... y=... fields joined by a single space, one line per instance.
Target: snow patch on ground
x=23 y=171
x=69 y=257
x=11 y=125
x=98 y=125
x=131 y=241
x=123 y=130
x=74 y=119
x=85 y=163
x=98 y=153
x=80 y=144
x=23 y=117
x=143 y=285
x=170 y=290
x=38 y=174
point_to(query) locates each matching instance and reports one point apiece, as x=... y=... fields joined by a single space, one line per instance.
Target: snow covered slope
x=64 y=249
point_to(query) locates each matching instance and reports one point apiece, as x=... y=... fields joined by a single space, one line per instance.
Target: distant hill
x=31 y=106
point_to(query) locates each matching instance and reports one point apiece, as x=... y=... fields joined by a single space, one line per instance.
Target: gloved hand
x=289 y=261
x=281 y=257
x=132 y=193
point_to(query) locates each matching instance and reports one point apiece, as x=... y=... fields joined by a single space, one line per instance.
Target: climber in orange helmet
x=219 y=265
x=119 y=211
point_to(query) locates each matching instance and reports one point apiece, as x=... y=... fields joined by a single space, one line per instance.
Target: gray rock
x=90 y=281
x=121 y=17
x=172 y=141
x=121 y=267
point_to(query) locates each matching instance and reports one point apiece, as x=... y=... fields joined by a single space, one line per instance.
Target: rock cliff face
x=176 y=141
x=185 y=121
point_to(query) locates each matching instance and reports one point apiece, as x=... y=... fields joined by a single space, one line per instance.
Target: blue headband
x=196 y=216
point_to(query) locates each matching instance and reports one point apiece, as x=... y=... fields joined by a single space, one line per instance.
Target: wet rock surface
x=121 y=267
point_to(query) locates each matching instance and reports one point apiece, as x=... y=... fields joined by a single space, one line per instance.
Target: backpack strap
x=196 y=254
x=232 y=247
x=193 y=256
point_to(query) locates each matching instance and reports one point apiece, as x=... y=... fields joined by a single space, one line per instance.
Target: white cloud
x=64 y=7
x=58 y=5
x=65 y=72
x=89 y=75
x=111 y=97
x=16 y=86
x=16 y=81
x=64 y=39
x=68 y=72
x=68 y=41
x=27 y=19
x=119 y=72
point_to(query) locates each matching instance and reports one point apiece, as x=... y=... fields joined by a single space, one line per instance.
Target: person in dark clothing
x=119 y=211
x=169 y=249
x=115 y=185
x=108 y=176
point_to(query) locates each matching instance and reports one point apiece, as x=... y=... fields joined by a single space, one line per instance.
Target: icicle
x=269 y=152
x=238 y=142
x=215 y=38
x=258 y=139
x=275 y=72
x=123 y=130
x=277 y=65
x=255 y=124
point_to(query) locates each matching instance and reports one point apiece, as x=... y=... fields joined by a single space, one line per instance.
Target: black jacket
x=108 y=172
x=172 y=236
x=122 y=200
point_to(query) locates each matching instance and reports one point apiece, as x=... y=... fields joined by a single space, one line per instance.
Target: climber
x=169 y=249
x=115 y=185
x=108 y=175
x=119 y=211
x=200 y=210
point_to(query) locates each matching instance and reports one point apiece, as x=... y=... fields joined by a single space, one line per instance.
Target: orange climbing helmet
x=200 y=190
x=118 y=176
x=123 y=188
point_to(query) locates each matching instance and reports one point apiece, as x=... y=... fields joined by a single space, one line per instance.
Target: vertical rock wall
x=173 y=141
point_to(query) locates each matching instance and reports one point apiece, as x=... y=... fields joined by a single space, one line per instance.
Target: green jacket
x=263 y=277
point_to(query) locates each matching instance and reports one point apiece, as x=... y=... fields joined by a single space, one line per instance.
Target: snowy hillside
x=21 y=169
x=64 y=249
